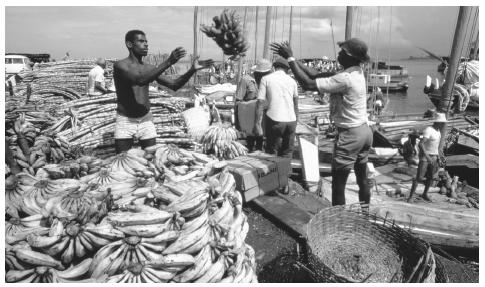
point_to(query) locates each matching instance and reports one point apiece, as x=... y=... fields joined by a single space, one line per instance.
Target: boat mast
x=239 y=68
x=348 y=22
x=454 y=62
x=291 y=25
x=269 y=14
x=194 y=54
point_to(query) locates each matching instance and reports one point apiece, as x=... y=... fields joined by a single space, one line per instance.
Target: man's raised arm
x=284 y=50
x=175 y=84
x=142 y=78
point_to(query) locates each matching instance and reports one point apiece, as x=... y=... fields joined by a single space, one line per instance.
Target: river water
x=414 y=100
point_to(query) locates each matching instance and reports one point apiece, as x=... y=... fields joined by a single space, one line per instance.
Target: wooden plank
x=323 y=167
x=468 y=160
x=309 y=155
x=285 y=212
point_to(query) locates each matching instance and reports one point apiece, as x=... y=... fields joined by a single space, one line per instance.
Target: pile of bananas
x=228 y=34
x=222 y=141
x=33 y=150
x=124 y=224
x=74 y=168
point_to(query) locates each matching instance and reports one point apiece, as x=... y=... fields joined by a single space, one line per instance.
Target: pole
x=269 y=12
x=475 y=50
x=456 y=48
x=196 y=11
x=256 y=35
x=239 y=68
x=348 y=22
x=291 y=25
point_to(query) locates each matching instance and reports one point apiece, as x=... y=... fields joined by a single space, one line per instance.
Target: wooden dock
x=294 y=210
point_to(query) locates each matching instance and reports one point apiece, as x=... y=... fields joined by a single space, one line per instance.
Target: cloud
x=99 y=31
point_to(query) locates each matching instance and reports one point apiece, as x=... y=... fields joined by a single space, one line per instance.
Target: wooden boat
x=392 y=78
x=444 y=224
x=386 y=83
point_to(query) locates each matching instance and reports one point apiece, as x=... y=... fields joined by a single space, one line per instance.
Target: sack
x=197 y=120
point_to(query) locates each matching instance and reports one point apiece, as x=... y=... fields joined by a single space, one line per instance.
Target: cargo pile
x=228 y=34
x=221 y=140
x=455 y=191
x=161 y=215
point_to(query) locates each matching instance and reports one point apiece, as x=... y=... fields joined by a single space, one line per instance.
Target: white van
x=16 y=63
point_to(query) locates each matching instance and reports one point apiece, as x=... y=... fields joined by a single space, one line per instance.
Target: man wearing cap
x=96 y=85
x=428 y=156
x=348 y=109
x=278 y=92
x=410 y=148
x=246 y=95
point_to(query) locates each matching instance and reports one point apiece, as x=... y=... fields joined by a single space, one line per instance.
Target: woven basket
x=347 y=245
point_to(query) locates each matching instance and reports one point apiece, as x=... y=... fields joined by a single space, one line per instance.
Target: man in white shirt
x=348 y=110
x=279 y=93
x=96 y=85
x=429 y=154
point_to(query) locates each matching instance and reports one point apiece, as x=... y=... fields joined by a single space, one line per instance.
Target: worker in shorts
x=132 y=77
x=429 y=155
x=348 y=110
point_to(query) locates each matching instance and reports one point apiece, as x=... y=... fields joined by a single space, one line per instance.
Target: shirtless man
x=132 y=77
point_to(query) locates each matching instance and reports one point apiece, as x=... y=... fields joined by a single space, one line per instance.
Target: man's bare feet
x=425 y=197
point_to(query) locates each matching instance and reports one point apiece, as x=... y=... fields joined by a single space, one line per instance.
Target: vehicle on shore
x=14 y=64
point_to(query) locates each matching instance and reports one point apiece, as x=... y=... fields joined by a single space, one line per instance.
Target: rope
x=283 y=30
x=333 y=41
x=275 y=17
x=300 y=34
x=389 y=49
x=359 y=16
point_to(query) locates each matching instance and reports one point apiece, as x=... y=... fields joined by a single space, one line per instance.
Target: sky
x=98 y=31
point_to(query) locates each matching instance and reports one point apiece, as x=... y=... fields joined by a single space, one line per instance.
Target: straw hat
x=262 y=65
x=440 y=118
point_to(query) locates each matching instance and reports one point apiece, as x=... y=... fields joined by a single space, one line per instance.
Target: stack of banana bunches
x=161 y=215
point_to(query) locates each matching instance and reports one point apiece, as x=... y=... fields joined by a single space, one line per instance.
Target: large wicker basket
x=348 y=245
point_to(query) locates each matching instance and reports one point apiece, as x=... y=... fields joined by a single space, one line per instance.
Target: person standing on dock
x=246 y=97
x=348 y=107
x=132 y=77
x=96 y=85
x=279 y=93
x=429 y=155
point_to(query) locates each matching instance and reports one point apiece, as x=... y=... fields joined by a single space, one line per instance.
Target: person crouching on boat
x=348 y=106
x=410 y=148
x=429 y=155
x=132 y=77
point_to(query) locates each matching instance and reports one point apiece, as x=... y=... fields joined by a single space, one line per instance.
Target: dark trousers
x=351 y=148
x=280 y=137
x=254 y=143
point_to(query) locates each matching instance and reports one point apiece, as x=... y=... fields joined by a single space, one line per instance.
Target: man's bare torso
x=133 y=99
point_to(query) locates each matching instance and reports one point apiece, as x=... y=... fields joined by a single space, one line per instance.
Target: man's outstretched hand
x=283 y=49
x=176 y=55
x=201 y=64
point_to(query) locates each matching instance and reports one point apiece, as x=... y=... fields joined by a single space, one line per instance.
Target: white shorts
x=141 y=128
